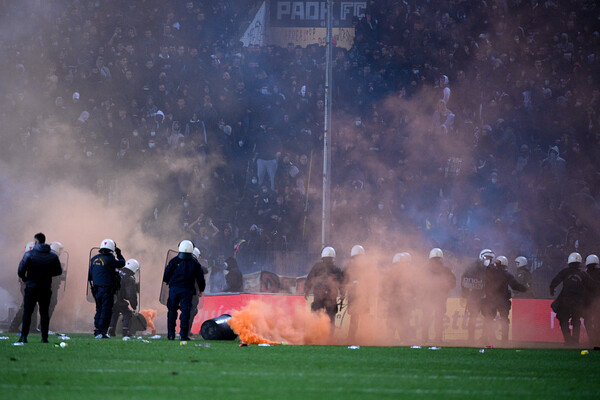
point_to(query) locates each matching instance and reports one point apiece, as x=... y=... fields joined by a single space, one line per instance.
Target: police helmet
x=402 y=257
x=592 y=259
x=436 y=252
x=486 y=253
x=57 y=247
x=521 y=261
x=186 y=246
x=196 y=253
x=574 y=258
x=502 y=261
x=356 y=250
x=133 y=265
x=29 y=246
x=328 y=252
x=108 y=244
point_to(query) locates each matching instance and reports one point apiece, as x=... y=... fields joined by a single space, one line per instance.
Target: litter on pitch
x=155 y=337
x=264 y=344
x=4 y=337
x=482 y=350
x=126 y=338
x=18 y=344
x=64 y=337
x=202 y=345
x=434 y=348
x=354 y=347
x=585 y=352
x=415 y=347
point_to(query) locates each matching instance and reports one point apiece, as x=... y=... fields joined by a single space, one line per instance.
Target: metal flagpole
x=326 y=212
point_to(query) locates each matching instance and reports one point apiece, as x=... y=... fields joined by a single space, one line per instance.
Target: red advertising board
x=534 y=321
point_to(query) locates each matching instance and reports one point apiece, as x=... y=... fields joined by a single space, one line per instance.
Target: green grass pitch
x=114 y=369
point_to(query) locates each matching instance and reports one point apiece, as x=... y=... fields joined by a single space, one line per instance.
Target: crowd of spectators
x=467 y=124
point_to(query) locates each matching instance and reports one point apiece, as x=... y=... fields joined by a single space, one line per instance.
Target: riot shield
x=88 y=292
x=164 y=289
x=64 y=263
x=138 y=284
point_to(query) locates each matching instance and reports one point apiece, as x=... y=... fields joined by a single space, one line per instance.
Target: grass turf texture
x=113 y=369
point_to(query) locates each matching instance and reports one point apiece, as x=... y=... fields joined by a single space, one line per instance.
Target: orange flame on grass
x=260 y=322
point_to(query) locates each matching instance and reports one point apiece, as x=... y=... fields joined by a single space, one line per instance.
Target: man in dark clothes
x=126 y=299
x=496 y=297
x=184 y=276
x=233 y=276
x=36 y=269
x=439 y=281
x=471 y=284
x=592 y=311
x=326 y=280
x=570 y=303
x=268 y=150
x=104 y=280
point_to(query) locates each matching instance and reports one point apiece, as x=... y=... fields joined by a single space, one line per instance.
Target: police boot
x=125 y=332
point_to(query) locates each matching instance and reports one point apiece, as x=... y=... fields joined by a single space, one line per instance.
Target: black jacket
x=185 y=273
x=129 y=289
x=103 y=269
x=38 y=266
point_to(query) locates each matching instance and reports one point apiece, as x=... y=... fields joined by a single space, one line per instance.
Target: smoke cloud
x=259 y=322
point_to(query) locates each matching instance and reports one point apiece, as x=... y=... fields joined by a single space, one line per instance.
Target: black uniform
x=326 y=280
x=496 y=299
x=570 y=303
x=439 y=282
x=234 y=278
x=126 y=296
x=184 y=275
x=104 y=279
x=399 y=287
x=525 y=278
x=592 y=311
x=36 y=269
x=472 y=283
x=358 y=303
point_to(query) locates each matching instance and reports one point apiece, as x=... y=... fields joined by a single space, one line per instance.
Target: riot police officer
x=36 y=269
x=326 y=280
x=472 y=283
x=126 y=297
x=570 y=303
x=183 y=274
x=438 y=281
x=523 y=275
x=496 y=297
x=358 y=304
x=592 y=312
x=104 y=281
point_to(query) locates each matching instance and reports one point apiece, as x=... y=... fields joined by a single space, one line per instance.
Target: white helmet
x=402 y=257
x=521 y=261
x=133 y=265
x=486 y=256
x=356 y=250
x=108 y=244
x=196 y=253
x=186 y=246
x=502 y=261
x=436 y=252
x=574 y=258
x=486 y=253
x=328 y=252
x=29 y=246
x=57 y=247
x=591 y=260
